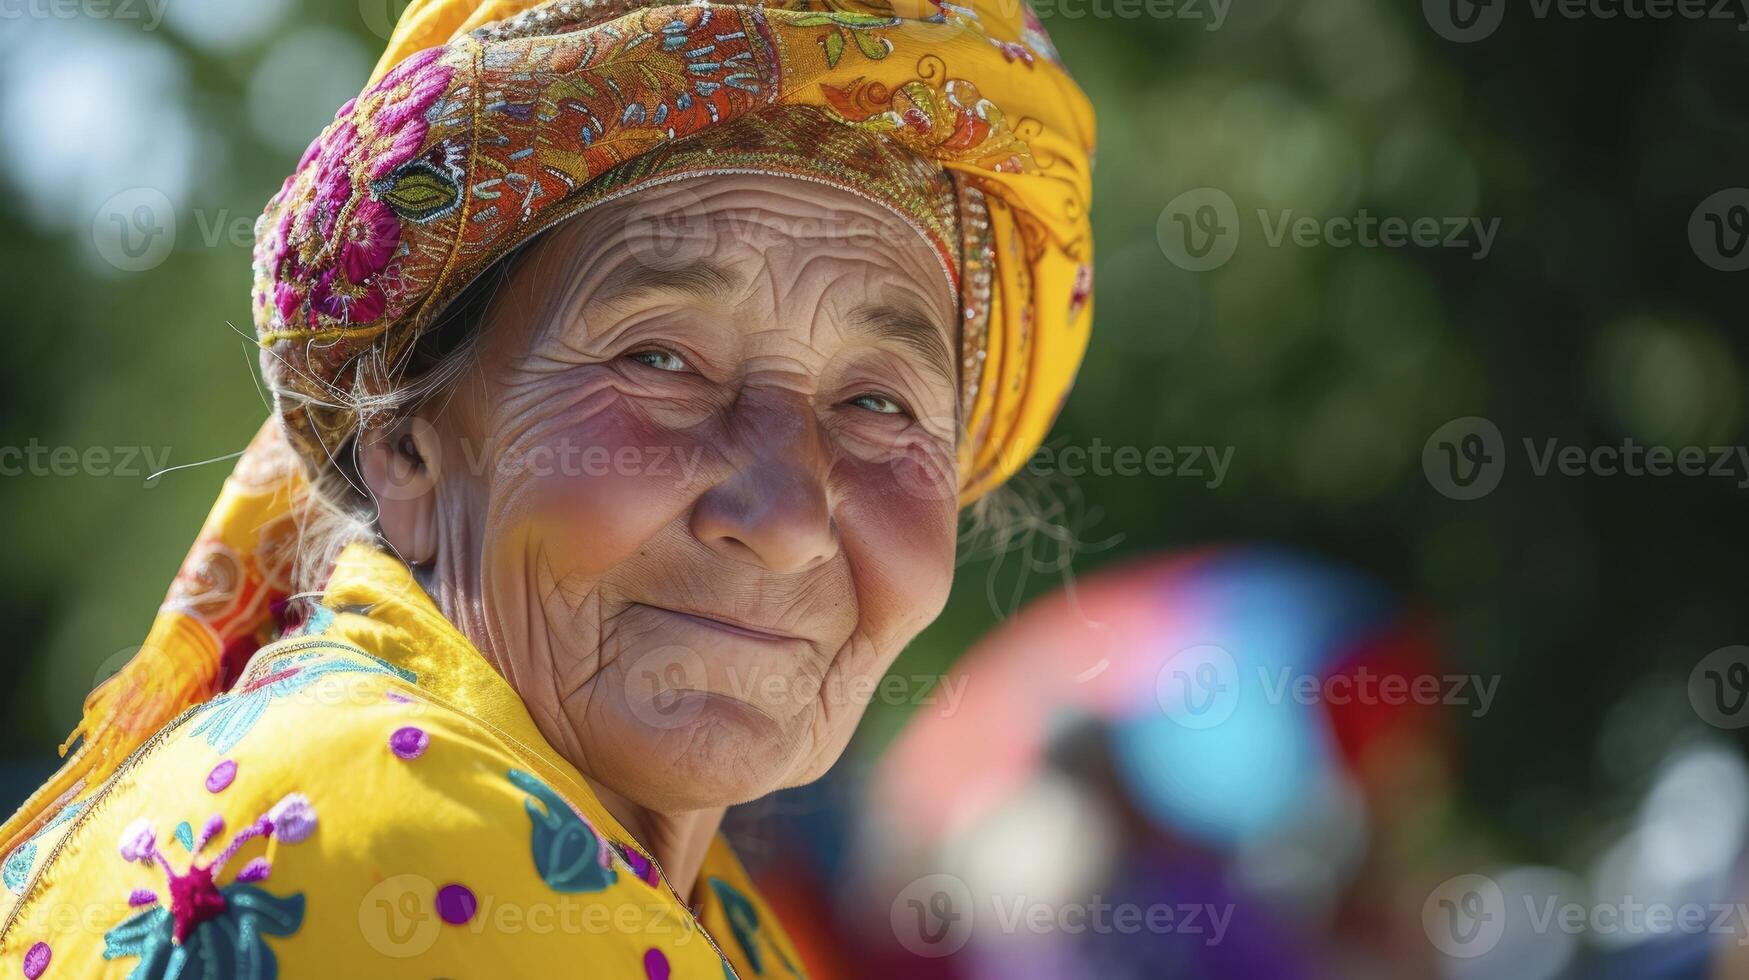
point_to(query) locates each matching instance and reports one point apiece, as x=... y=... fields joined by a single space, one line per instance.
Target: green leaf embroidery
x=873 y=48
x=233 y=944
x=567 y=852
x=418 y=192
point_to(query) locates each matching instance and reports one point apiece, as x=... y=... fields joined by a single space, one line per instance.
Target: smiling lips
x=723 y=625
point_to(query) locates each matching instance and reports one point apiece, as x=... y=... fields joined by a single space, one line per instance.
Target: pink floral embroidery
x=338 y=300
x=369 y=241
x=336 y=278
x=1014 y=51
x=1083 y=290
x=194 y=897
x=405 y=93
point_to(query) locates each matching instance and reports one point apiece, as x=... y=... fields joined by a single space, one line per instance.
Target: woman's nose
x=772 y=511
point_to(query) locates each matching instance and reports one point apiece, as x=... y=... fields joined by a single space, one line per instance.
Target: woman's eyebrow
x=912 y=328
x=702 y=279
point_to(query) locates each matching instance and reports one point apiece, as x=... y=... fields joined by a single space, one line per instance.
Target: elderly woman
x=632 y=366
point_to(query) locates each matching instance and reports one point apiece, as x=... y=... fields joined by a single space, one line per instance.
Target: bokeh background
x=1115 y=738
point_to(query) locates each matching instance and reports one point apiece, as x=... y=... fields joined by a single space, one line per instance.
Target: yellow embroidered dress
x=370 y=800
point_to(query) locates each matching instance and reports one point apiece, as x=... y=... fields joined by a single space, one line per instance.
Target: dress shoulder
x=329 y=818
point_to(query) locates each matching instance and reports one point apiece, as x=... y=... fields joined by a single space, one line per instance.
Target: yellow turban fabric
x=487 y=122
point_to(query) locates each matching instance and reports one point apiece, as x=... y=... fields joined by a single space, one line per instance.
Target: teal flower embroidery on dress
x=569 y=856
x=16 y=871
x=201 y=929
x=744 y=923
x=231 y=944
x=229 y=717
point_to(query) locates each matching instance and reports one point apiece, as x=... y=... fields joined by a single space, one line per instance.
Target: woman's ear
x=399 y=465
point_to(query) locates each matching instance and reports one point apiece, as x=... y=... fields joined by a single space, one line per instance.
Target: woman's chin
x=693 y=750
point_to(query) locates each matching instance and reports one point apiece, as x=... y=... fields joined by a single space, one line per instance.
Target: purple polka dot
x=36 y=960
x=655 y=964
x=398 y=697
x=409 y=742
x=455 y=904
x=221 y=776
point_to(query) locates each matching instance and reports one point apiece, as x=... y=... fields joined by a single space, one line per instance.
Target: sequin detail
x=456 y=904
x=221 y=777
x=409 y=742
x=36 y=960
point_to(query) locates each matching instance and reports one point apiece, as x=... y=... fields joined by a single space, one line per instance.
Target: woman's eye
x=878 y=403
x=661 y=360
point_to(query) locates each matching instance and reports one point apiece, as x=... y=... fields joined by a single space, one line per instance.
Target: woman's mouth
x=723 y=624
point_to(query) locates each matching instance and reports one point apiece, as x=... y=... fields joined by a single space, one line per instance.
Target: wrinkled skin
x=699 y=491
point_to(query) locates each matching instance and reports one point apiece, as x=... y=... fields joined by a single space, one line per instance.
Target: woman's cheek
x=900 y=538
x=594 y=493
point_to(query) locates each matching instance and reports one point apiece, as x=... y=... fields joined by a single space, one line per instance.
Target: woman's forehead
x=748 y=238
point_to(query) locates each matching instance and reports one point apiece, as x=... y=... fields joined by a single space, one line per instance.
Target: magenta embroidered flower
x=397 y=107
x=348 y=304
x=138 y=841
x=195 y=895
x=293 y=818
x=333 y=177
x=286 y=298
x=370 y=240
x=1013 y=51
x=1083 y=289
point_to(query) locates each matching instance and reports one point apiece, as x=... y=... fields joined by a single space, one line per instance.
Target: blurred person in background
x=632 y=368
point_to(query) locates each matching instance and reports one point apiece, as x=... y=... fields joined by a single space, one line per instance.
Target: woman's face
x=701 y=488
